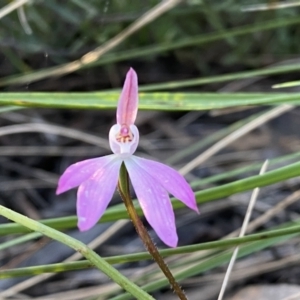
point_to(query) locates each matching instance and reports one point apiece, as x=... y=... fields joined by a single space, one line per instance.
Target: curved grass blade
x=92 y=256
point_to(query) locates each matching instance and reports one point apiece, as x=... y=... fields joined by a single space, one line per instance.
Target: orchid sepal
x=128 y=102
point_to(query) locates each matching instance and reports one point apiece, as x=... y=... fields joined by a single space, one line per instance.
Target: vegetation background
x=206 y=70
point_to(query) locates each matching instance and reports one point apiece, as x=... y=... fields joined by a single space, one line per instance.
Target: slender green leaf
x=208 y=264
x=271 y=235
x=20 y=240
x=253 y=167
x=286 y=84
x=149 y=101
x=118 y=211
x=78 y=246
x=223 y=78
x=200 y=182
x=157 y=49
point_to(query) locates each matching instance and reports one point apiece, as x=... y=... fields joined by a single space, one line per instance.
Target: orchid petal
x=170 y=179
x=94 y=194
x=77 y=173
x=128 y=101
x=155 y=203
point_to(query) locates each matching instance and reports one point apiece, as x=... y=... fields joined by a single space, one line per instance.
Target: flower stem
x=123 y=187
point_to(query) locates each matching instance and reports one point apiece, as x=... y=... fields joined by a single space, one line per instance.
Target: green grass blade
x=19 y=240
x=158 y=49
x=197 y=183
x=286 y=84
x=221 y=78
x=242 y=170
x=148 y=101
x=78 y=246
x=208 y=264
x=118 y=211
x=286 y=231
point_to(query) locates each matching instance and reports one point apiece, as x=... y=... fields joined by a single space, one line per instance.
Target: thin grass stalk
x=92 y=256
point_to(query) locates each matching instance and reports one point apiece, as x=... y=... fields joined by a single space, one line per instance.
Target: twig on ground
x=11 y=7
x=94 y=55
x=242 y=233
x=55 y=129
x=269 y=115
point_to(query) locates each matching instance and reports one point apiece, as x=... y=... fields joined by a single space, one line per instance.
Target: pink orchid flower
x=97 y=178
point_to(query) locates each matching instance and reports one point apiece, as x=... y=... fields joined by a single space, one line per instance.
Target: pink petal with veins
x=170 y=179
x=155 y=202
x=77 y=173
x=128 y=101
x=94 y=194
